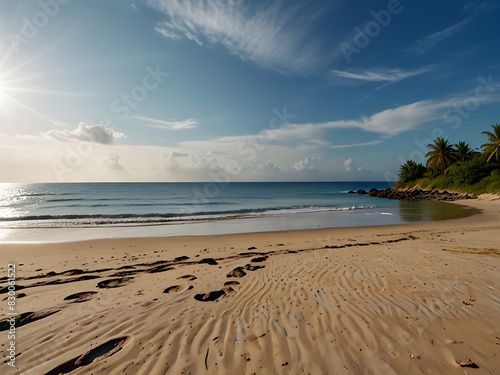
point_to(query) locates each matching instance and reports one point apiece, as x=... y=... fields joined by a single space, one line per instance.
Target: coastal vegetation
x=456 y=167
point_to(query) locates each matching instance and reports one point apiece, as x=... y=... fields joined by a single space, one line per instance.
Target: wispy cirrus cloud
x=387 y=123
x=430 y=41
x=168 y=125
x=380 y=74
x=370 y=143
x=270 y=34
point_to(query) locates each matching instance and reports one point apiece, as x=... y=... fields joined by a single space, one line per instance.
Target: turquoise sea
x=170 y=207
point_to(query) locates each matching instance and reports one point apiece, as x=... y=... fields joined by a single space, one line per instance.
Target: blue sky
x=235 y=90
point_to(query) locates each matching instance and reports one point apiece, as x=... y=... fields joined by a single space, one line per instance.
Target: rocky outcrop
x=414 y=194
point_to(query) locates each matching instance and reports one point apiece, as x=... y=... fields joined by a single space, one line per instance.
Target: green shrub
x=466 y=170
x=470 y=172
x=495 y=173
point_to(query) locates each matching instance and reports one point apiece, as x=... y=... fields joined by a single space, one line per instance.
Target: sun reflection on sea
x=10 y=197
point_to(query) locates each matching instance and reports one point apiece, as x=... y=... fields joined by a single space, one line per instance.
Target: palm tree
x=492 y=148
x=463 y=152
x=410 y=171
x=441 y=156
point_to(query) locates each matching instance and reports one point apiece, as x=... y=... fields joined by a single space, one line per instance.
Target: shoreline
x=294 y=233
x=420 y=212
x=383 y=299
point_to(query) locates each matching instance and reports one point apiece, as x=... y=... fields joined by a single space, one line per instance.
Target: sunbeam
x=16 y=85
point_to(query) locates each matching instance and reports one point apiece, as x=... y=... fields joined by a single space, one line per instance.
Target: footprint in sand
x=26 y=318
x=126 y=273
x=188 y=277
x=80 y=297
x=158 y=269
x=250 y=267
x=18 y=295
x=210 y=261
x=229 y=291
x=467 y=363
x=237 y=272
x=99 y=353
x=72 y=272
x=115 y=283
x=212 y=296
x=176 y=289
x=209 y=297
x=126 y=268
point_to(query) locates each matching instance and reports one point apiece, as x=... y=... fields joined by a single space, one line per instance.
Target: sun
x=17 y=84
x=12 y=93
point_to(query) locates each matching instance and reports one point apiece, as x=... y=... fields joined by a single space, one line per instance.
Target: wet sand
x=418 y=298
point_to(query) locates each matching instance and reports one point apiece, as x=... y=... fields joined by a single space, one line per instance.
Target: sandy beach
x=408 y=299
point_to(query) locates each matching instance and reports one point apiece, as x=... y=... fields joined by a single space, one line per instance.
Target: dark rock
x=416 y=194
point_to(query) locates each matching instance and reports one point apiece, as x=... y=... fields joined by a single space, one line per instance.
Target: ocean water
x=275 y=206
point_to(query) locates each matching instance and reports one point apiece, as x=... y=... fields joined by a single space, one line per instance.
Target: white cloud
x=112 y=161
x=39 y=159
x=179 y=154
x=85 y=133
x=430 y=41
x=370 y=143
x=309 y=163
x=348 y=165
x=265 y=166
x=182 y=161
x=168 y=34
x=292 y=152
x=352 y=167
x=271 y=35
x=168 y=125
x=389 y=122
x=381 y=75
